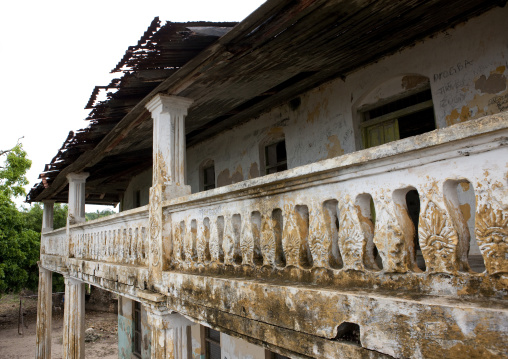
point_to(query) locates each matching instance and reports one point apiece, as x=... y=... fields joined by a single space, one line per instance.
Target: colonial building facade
x=325 y=179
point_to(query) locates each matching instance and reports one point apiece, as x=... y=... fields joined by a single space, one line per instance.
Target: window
x=405 y=117
x=209 y=177
x=137 y=199
x=137 y=329
x=272 y=355
x=275 y=157
x=212 y=344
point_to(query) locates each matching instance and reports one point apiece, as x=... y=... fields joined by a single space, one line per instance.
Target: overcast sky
x=53 y=53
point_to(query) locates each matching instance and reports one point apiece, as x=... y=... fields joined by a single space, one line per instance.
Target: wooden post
x=44 y=314
x=74 y=319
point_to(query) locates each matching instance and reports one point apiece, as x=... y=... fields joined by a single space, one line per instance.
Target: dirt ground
x=100 y=342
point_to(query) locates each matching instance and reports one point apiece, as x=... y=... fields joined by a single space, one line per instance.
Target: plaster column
x=76 y=197
x=44 y=307
x=170 y=335
x=74 y=319
x=168 y=113
x=47 y=216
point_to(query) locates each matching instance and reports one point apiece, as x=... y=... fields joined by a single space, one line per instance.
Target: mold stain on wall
x=333 y=147
x=483 y=102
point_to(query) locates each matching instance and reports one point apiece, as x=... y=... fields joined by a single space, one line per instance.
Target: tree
x=19 y=245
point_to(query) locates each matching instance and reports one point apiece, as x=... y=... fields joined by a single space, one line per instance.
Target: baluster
x=177 y=242
x=230 y=243
x=247 y=244
x=355 y=231
x=201 y=241
x=439 y=240
x=268 y=240
x=190 y=240
x=491 y=221
x=214 y=242
x=389 y=236
x=294 y=237
x=320 y=241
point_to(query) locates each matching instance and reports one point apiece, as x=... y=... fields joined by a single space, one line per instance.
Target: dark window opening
x=209 y=178
x=278 y=356
x=212 y=344
x=137 y=199
x=276 y=157
x=137 y=330
x=406 y=117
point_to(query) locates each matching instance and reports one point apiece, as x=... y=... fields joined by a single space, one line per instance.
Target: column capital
x=164 y=319
x=79 y=177
x=163 y=103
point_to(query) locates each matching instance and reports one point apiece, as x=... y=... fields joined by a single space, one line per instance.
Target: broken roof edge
x=135 y=115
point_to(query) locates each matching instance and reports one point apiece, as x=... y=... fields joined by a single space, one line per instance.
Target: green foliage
x=94 y=215
x=19 y=244
x=33 y=216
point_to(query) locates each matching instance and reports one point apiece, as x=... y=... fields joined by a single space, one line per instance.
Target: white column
x=168 y=113
x=76 y=197
x=74 y=319
x=47 y=216
x=169 y=335
x=44 y=306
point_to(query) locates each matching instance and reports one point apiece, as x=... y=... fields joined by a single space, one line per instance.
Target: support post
x=169 y=334
x=76 y=203
x=44 y=314
x=74 y=319
x=47 y=216
x=168 y=113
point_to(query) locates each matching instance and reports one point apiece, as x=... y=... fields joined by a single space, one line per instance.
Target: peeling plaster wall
x=198 y=352
x=468 y=71
x=142 y=183
x=125 y=322
x=234 y=348
x=126 y=330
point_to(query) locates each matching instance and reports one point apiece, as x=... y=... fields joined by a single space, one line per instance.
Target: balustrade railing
x=354 y=213
x=54 y=242
x=120 y=239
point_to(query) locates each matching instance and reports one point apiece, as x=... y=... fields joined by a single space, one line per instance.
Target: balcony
x=290 y=259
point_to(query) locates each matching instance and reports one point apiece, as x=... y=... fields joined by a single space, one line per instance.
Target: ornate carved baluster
x=229 y=242
x=247 y=240
x=438 y=237
x=201 y=241
x=177 y=242
x=491 y=223
x=215 y=243
x=190 y=240
x=353 y=235
x=268 y=240
x=389 y=236
x=320 y=241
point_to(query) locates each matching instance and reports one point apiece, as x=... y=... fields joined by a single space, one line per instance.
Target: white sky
x=53 y=53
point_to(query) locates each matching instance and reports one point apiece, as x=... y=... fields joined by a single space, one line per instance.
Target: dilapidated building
x=325 y=179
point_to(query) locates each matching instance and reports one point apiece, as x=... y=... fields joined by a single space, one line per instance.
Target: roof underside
x=281 y=50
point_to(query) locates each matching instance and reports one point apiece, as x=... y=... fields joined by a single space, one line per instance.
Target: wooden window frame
x=137 y=334
x=268 y=166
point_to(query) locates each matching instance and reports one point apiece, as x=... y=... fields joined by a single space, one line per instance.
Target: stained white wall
x=467 y=67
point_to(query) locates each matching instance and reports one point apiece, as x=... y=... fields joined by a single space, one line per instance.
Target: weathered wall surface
x=142 y=183
x=234 y=348
x=468 y=72
x=125 y=328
